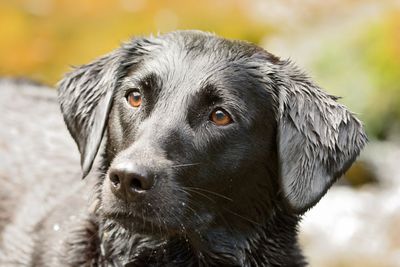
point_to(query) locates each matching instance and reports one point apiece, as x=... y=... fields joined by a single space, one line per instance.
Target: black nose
x=128 y=180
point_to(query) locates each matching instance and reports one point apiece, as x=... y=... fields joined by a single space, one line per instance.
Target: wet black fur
x=224 y=196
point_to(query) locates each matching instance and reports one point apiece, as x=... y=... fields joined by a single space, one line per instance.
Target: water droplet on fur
x=56 y=227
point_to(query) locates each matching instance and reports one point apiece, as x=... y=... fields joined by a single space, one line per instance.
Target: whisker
x=185 y=165
x=190 y=203
x=211 y=192
x=143 y=218
x=160 y=224
x=224 y=220
x=199 y=193
x=241 y=216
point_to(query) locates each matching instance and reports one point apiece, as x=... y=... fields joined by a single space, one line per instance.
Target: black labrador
x=211 y=150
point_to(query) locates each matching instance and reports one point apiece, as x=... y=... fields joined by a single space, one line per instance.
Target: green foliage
x=381 y=56
x=40 y=39
x=364 y=68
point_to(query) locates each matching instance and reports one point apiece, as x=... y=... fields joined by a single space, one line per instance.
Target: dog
x=210 y=151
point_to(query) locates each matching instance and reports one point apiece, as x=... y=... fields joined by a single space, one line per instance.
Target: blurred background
x=350 y=47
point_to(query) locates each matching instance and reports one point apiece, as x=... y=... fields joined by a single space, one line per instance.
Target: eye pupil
x=220 y=117
x=135 y=99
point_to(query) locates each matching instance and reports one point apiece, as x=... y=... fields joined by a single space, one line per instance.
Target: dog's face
x=205 y=133
x=198 y=132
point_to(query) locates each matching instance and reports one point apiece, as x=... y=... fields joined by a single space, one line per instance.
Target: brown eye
x=220 y=117
x=134 y=99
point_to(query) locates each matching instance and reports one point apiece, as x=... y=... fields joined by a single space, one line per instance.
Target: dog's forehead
x=193 y=63
x=177 y=69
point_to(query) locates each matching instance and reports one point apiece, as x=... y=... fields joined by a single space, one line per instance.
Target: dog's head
x=205 y=132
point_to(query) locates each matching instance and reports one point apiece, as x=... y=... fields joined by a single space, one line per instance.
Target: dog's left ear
x=318 y=138
x=85 y=96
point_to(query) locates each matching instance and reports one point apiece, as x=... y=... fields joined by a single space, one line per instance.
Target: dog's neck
x=273 y=244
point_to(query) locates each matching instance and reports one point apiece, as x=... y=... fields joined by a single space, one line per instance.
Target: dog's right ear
x=85 y=96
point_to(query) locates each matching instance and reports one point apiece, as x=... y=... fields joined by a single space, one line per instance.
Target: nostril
x=115 y=181
x=136 y=184
x=141 y=182
x=127 y=180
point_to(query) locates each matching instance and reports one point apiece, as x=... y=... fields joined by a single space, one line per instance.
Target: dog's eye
x=134 y=99
x=220 y=117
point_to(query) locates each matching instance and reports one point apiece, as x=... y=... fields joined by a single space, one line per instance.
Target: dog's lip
x=132 y=219
x=142 y=223
x=125 y=216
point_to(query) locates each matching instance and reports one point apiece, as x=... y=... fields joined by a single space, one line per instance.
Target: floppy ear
x=85 y=96
x=318 y=139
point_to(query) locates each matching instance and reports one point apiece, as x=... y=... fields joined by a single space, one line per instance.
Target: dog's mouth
x=159 y=221
x=145 y=224
x=130 y=218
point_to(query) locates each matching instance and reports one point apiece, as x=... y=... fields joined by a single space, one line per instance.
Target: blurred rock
x=359 y=227
x=32 y=132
